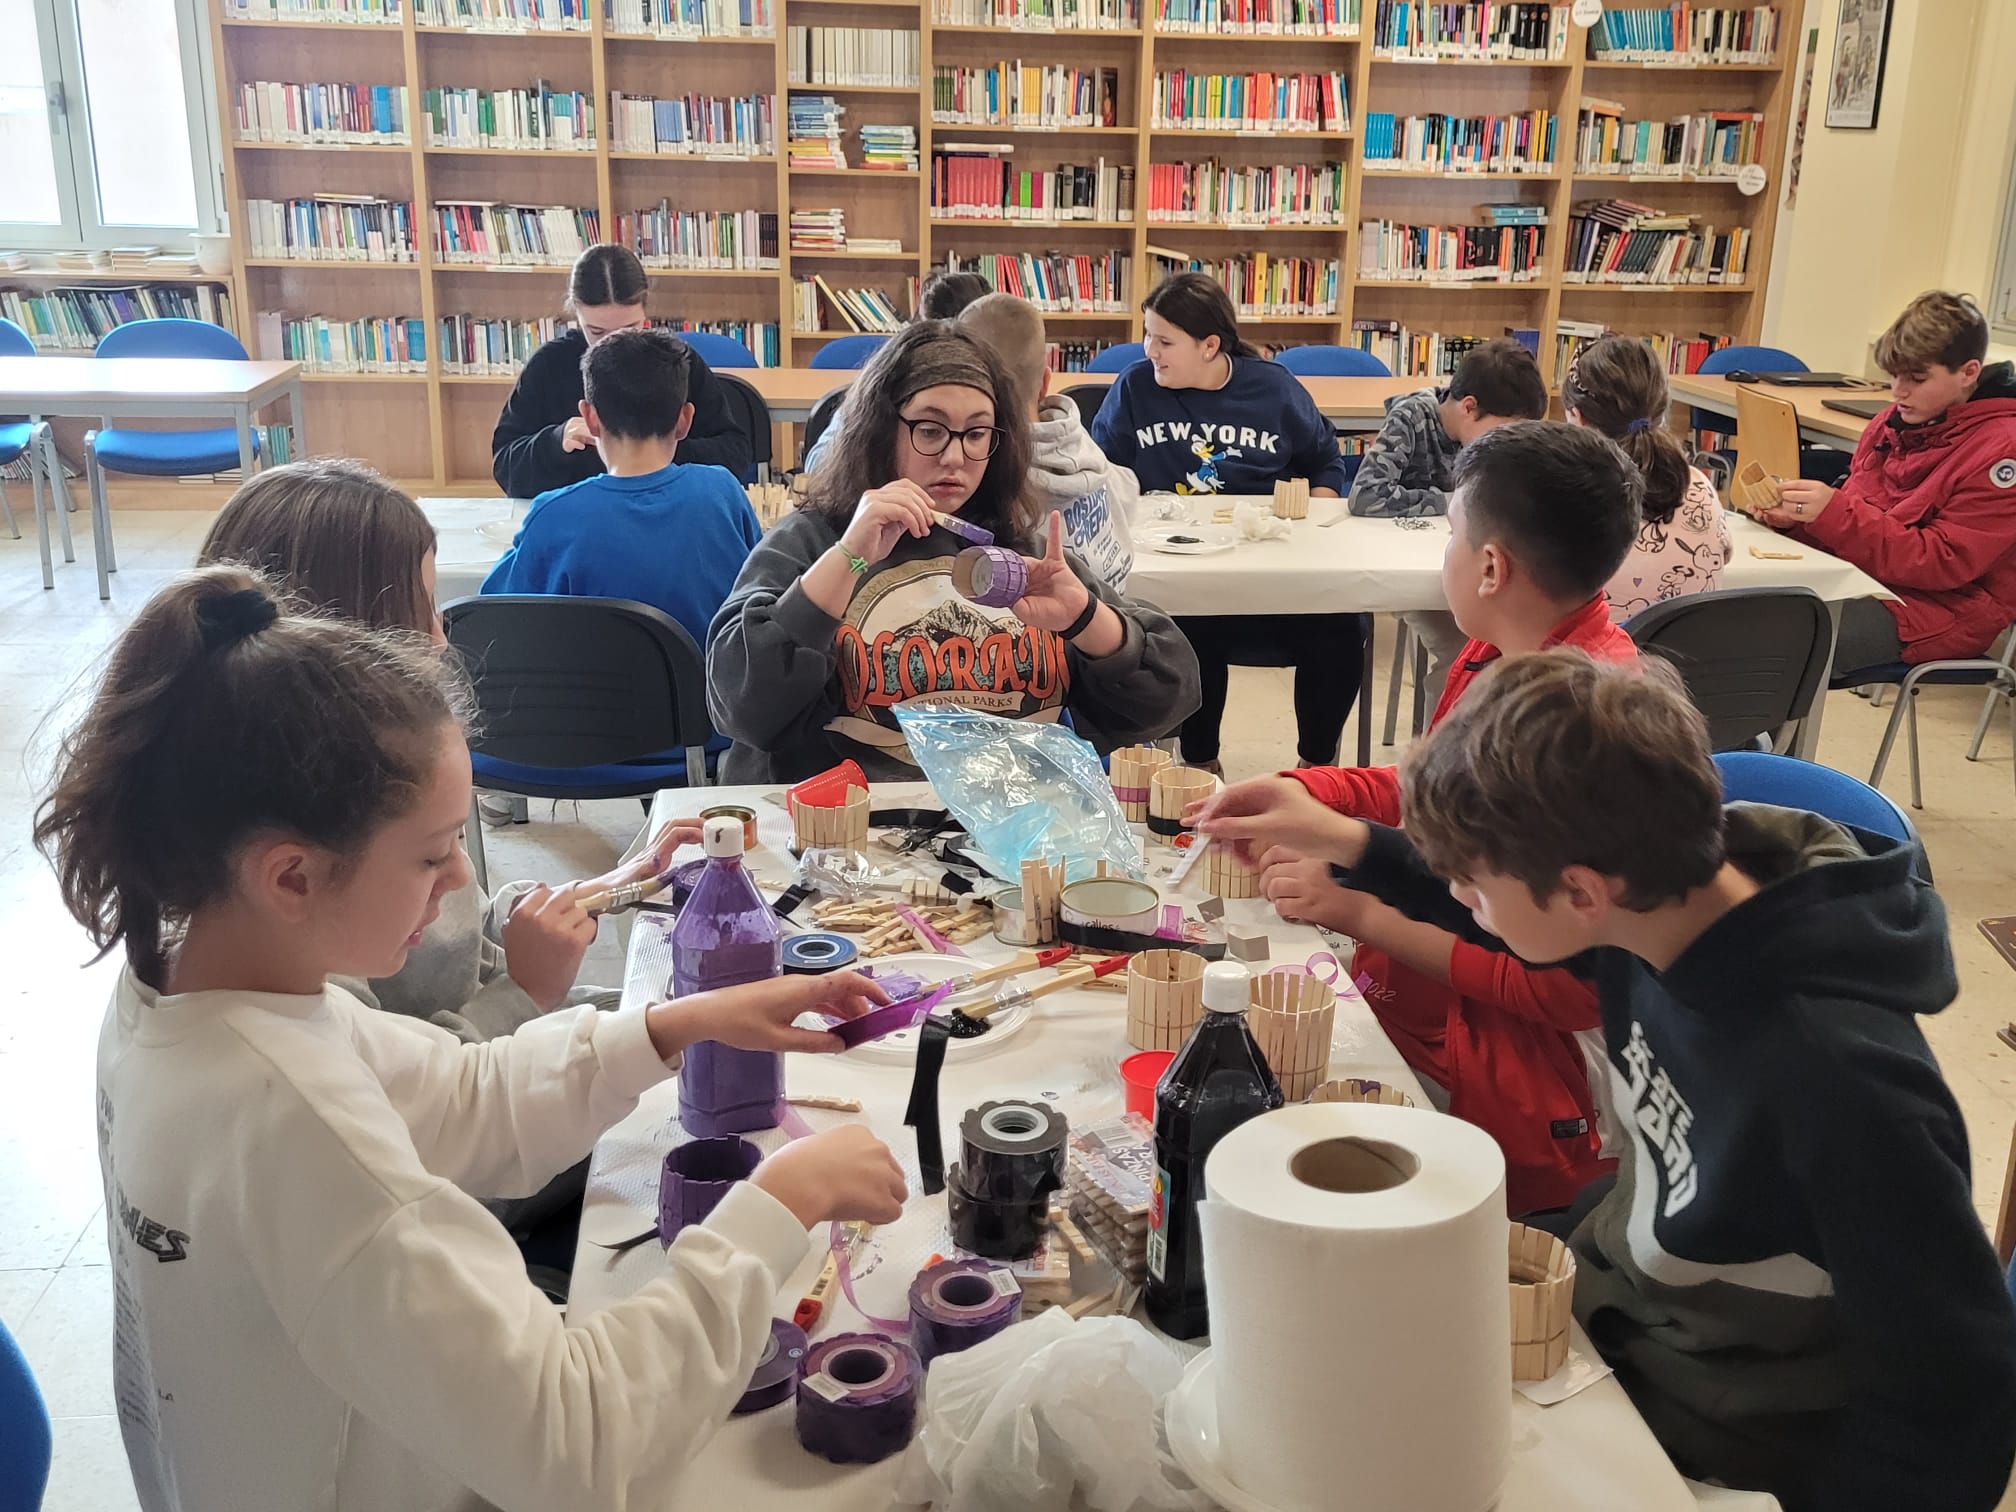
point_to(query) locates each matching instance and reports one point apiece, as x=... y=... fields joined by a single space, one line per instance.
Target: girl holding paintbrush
x=851 y=607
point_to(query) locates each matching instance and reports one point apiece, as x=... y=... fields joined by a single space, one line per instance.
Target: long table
x=1591 y=1453
x=1825 y=427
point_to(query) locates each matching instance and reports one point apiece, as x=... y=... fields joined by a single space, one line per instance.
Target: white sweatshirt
x=313 y=1314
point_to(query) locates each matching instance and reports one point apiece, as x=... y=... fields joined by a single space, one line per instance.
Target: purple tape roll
x=955 y=1304
x=857 y=1401
x=995 y=576
x=695 y=1178
x=777 y=1372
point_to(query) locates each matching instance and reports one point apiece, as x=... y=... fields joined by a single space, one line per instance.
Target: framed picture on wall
x=1855 y=83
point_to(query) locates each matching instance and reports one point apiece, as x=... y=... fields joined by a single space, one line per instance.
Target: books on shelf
x=359 y=12
x=716 y=240
x=1710 y=144
x=1680 y=34
x=975 y=181
x=814 y=126
x=1019 y=94
x=1057 y=283
x=819 y=230
x=82 y=261
x=384 y=344
x=1266 y=104
x=1071 y=356
x=510 y=16
x=1522 y=143
x=1258 y=18
x=331 y=228
x=851 y=55
x=1680 y=353
x=689 y=20
x=761 y=337
x=1619 y=242
x=331 y=114
x=851 y=309
x=1390 y=251
x=132 y=260
x=1039 y=15
x=1260 y=285
x=1417 y=31
x=1268 y=194
x=483 y=346
x=487 y=233
x=1411 y=353
x=694 y=125
x=73 y=320
x=536 y=118
x=164 y=263
x=889 y=149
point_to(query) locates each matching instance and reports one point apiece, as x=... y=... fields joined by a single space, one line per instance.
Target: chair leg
x=7 y=505
x=1889 y=741
x=95 y=476
x=1393 y=676
x=472 y=841
x=2002 y=687
x=1908 y=697
x=52 y=475
x=41 y=506
x=1420 y=686
x=1876 y=698
x=696 y=768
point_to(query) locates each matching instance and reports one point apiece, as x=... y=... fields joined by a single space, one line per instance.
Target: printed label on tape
x=827 y=1387
x=1005 y=1283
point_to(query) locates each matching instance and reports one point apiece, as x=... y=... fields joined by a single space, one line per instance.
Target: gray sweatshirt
x=1407 y=467
x=798 y=690
x=1097 y=497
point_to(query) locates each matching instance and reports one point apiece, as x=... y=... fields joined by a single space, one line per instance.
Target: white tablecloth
x=469 y=536
x=1591 y=1453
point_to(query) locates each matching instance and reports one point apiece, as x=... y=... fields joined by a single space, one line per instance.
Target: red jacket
x=1508 y=1050
x=1929 y=511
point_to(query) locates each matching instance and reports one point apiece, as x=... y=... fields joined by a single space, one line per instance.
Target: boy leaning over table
x=1788 y=1276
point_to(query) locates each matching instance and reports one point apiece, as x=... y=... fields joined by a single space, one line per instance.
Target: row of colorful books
x=1019 y=94
x=374 y=344
x=680 y=20
x=535 y=118
x=1261 y=285
x=1259 y=18
x=851 y=55
x=663 y=237
x=74 y=320
x=1522 y=143
x=1226 y=194
x=1708 y=144
x=1039 y=15
x=1617 y=241
x=695 y=125
x=1399 y=251
x=347 y=114
x=817 y=306
x=1680 y=352
x=1254 y=102
x=1057 y=282
x=1684 y=33
x=978 y=182
x=1428 y=30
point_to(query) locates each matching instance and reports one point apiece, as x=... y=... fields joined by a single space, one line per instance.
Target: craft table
x=1825 y=427
x=145 y=388
x=1591 y=1453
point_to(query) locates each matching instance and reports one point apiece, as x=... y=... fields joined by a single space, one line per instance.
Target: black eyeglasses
x=929 y=439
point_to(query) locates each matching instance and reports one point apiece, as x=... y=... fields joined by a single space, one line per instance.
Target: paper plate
x=1187 y=540
x=932 y=968
x=503 y=532
x=1193 y=1436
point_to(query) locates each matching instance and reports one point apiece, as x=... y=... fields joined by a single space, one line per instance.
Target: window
x=103 y=123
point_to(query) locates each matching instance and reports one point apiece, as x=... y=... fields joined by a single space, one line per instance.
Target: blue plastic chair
x=1788 y=782
x=1755 y=359
x=848 y=351
x=17 y=436
x=24 y=1431
x=1997 y=675
x=1332 y=362
x=33 y=439
x=718 y=351
x=1117 y=358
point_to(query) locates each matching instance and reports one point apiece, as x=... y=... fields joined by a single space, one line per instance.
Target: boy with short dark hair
x=1928 y=508
x=1409 y=467
x=1541 y=515
x=1789 y=1276
x=651 y=529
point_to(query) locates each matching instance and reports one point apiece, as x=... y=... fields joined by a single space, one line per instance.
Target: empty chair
x=1088 y=397
x=1117 y=358
x=1824 y=463
x=1752 y=658
x=1996 y=674
x=752 y=414
x=1332 y=362
x=18 y=438
x=579 y=698
x=847 y=351
x=718 y=351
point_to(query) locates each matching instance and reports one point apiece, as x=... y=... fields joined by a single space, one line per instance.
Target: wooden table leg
x=2005 y=1218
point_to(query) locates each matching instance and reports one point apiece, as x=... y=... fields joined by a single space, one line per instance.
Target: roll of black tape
x=1012 y=1151
x=994 y=1230
x=818 y=952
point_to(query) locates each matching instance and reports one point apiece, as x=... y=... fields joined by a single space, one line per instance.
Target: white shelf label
x=1750 y=178
x=1588 y=12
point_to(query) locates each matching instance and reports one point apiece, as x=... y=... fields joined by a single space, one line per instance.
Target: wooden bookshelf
x=432 y=430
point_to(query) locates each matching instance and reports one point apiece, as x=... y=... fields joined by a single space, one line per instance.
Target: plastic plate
x=933 y=968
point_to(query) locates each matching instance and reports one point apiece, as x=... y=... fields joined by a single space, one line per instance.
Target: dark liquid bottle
x=1218 y=1080
x=726 y=935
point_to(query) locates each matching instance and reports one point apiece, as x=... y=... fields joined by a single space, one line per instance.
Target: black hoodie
x=1789 y=1276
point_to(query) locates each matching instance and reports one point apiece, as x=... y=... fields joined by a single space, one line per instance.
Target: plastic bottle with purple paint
x=726 y=936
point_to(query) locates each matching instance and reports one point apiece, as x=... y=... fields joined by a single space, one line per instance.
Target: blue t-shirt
x=1260 y=427
x=675 y=539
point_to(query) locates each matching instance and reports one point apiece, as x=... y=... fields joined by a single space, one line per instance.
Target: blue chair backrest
x=1788 y=782
x=847 y=352
x=1332 y=362
x=15 y=342
x=1117 y=358
x=24 y=1430
x=1755 y=359
x=718 y=351
x=171 y=338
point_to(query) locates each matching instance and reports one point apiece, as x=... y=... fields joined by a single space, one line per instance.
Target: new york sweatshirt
x=798 y=690
x=313 y=1312
x=1789 y=1276
x=1260 y=427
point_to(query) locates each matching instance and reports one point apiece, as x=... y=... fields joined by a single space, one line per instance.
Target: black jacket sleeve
x=716 y=437
x=526 y=457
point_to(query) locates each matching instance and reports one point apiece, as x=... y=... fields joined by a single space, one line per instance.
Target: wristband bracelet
x=856 y=565
x=1077 y=627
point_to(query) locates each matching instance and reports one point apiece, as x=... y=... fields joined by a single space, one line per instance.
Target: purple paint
x=726 y=936
x=894 y=1019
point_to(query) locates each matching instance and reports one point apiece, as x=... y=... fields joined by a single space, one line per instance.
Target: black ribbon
x=922 y=1115
x=789 y=900
x=1160 y=826
x=1127 y=941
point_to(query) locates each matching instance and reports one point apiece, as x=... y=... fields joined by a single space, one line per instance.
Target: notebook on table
x=1868 y=409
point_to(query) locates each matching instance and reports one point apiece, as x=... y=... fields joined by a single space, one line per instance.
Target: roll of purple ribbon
x=696 y=1176
x=857 y=1401
x=777 y=1372
x=995 y=576
x=955 y=1304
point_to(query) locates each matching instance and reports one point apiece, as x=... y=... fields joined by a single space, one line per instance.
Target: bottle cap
x=1228 y=987
x=722 y=836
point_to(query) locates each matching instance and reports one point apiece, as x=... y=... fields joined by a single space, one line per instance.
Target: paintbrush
x=615 y=900
x=967 y=1023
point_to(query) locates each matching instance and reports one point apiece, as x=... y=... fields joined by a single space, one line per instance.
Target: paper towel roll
x=1354 y=1256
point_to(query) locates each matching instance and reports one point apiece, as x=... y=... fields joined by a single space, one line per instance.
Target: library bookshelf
x=431 y=427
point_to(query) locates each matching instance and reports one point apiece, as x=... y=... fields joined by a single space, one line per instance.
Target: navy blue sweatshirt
x=1789 y=1276
x=1240 y=439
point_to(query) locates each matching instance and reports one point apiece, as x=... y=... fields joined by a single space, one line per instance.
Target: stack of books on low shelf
x=819 y=230
x=1619 y=242
x=889 y=148
x=814 y=124
x=84 y=262
x=853 y=309
x=170 y=264
x=133 y=260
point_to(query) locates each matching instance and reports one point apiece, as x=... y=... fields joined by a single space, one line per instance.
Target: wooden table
x=1817 y=423
x=153 y=388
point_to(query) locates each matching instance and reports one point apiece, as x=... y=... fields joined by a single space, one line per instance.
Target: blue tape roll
x=818 y=952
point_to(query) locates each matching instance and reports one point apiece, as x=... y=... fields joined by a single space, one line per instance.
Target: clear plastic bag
x=1049 y=1415
x=1024 y=790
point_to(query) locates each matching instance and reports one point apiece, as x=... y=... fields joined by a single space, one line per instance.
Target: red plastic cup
x=1141 y=1072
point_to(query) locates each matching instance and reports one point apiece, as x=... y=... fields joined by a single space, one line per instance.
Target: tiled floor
x=53 y=1291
